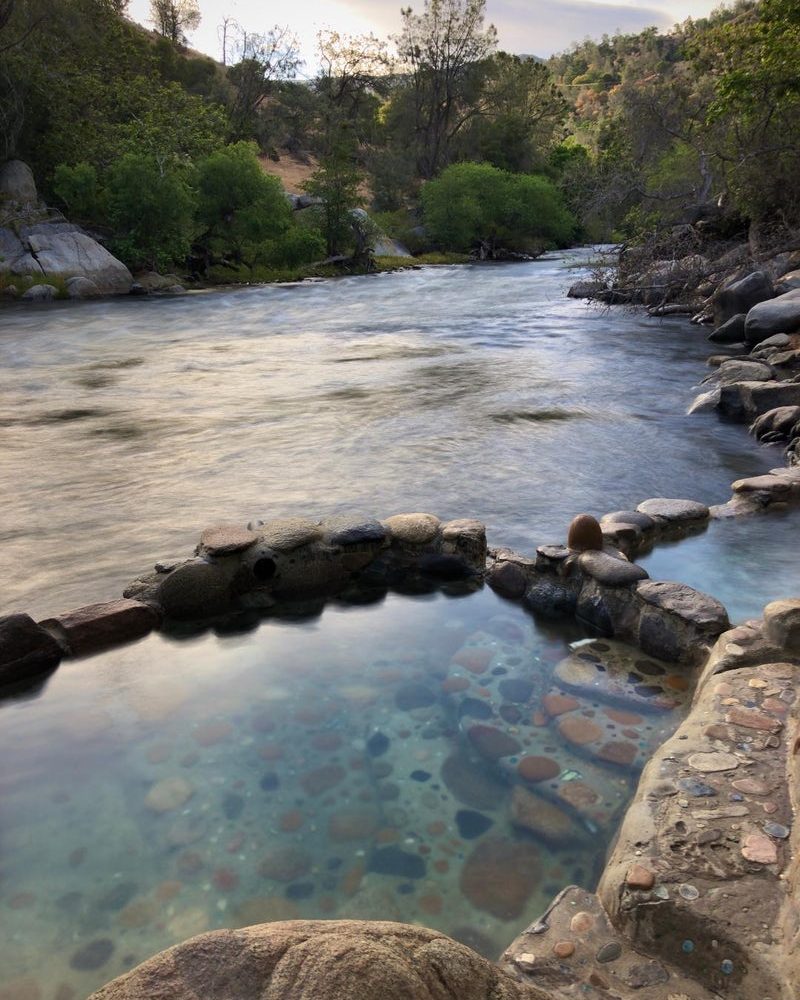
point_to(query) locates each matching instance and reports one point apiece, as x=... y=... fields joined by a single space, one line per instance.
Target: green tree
x=262 y=60
x=173 y=18
x=336 y=182
x=240 y=207
x=151 y=207
x=473 y=204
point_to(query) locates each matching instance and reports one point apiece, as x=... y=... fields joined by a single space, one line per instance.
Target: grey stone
x=692 y=606
x=413 y=529
x=39 y=293
x=26 y=649
x=551 y=598
x=668 y=511
x=729 y=332
x=17 y=184
x=779 y=315
x=15 y=258
x=350 y=530
x=195 y=589
x=82 y=288
x=64 y=251
x=507 y=579
x=782 y=620
x=287 y=534
x=741 y=296
x=606 y=569
x=225 y=540
x=748 y=400
x=636 y=517
x=385 y=246
x=744 y=371
x=586 y=289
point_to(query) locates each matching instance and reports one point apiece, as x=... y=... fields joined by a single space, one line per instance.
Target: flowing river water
x=338 y=766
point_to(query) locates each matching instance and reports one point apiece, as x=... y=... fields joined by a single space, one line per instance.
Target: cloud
x=539 y=27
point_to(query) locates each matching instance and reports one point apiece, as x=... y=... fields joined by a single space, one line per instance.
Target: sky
x=533 y=27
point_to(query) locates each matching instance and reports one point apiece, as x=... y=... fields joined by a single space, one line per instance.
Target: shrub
x=79 y=191
x=472 y=203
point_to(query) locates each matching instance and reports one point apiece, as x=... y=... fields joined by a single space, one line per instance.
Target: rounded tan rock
x=169 y=794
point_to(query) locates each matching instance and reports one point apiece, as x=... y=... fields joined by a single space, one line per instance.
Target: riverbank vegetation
x=449 y=144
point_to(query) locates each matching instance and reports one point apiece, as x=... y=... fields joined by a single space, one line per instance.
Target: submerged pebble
x=92 y=955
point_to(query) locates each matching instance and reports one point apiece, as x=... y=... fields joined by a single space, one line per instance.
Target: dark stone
x=444 y=567
x=92 y=955
x=353 y=531
x=377 y=744
x=26 y=650
x=420 y=775
x=697 y=789
x=101 y=626
x=411 y=696
x=472 y=824
x=472 y=782
x=510 y=714
x=741 y=296
x=513 y=689
x=406 y=888
x=551 y=599
x=658 y=639
x=268 y=783
x=118 y=896
x=233 y=804
x=507 y=579
x=593 y=610
x=609 y=952
x=730 y=332
x=300 y=890
x=393 y=861
x=475 y=708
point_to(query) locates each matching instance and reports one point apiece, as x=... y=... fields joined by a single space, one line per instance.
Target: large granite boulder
x=741 y=296
x=778 y=315
x=17 y=184
x=62 y=250
x=319 y=960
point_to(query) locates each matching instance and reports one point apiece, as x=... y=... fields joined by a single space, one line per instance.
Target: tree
x=239 y=206
x=442 y=48
x=262 y=60
x=336 y=182
x=352 y=75
x=151 y=209
x=474 y=204
x=173 y=18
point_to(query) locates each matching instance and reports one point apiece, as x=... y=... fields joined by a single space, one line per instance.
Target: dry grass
x=291 y=171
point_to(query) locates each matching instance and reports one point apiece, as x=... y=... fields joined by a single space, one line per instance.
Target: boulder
x=668 y=512
x=788 y=282
x=748 y=400
x=15 y=258
x=778 y=424
x=606 y=569
x=319 y=960
x=62 y=250
x=586 y=289
x=737 y=370
x=82 y=288
x=17 y=184
x=782 y=621
x=385 y=246
x=730 y=332
x=741 y=296
x=39 y=293
x=26 y=649
x=678 y=623
x=779 y=315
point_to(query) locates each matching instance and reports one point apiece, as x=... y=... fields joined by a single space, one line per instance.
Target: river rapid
x=127 y=426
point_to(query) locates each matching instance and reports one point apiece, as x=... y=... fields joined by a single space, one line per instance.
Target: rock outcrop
x=320 y=960
x=38 y=245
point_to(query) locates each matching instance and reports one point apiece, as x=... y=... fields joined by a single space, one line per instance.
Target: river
x=481 y=391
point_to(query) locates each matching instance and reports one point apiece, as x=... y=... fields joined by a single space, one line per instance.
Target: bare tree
x=261 y=61
x=173 y=18
x=226 y=28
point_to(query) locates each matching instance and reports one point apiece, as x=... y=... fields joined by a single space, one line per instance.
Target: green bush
x=471 y=203
x=239 y=206
x=78 y=189
x=151 y=208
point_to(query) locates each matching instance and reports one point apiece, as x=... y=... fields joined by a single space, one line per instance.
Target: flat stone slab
x=287 y=534
x=636 y=517
x=101 y=626
x=693 y=606
x=607 y=569
x=226 y=539
x=618 y=674
x=665 y=511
